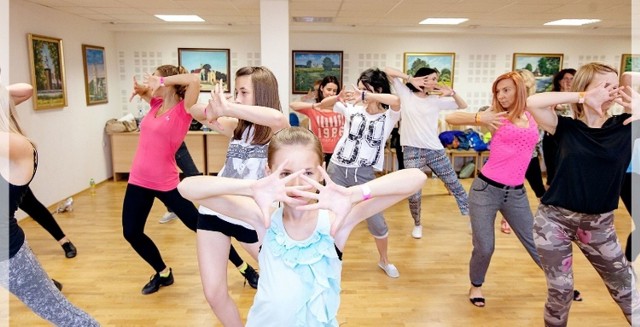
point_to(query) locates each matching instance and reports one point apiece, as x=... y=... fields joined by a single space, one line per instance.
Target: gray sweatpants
x=355 y=176
x=484 y=202
x=29 y=282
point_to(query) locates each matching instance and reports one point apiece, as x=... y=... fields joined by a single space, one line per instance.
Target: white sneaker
x=417 y=231
x=168 y=216
x=389 y=269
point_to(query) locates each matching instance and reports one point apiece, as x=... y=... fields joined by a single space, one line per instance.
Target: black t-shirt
x=590 y=165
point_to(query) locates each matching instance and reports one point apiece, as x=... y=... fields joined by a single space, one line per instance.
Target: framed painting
x=310 y=66
x=46 y=61
x=212 y=65
x=443 y=62
x=630 y=63
x=542 y=65
x=95 y=74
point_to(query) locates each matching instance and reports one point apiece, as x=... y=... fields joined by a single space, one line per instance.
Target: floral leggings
x=438 y=162
x=554 y=229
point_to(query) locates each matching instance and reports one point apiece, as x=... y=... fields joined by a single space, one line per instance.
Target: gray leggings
x=555 y=229
x=355 y=176
x=484 y=202
x=440 y=164
x=29 y=282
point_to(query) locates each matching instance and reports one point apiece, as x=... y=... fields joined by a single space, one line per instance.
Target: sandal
x=576 y=296
x=477 y=301
x=504 y=227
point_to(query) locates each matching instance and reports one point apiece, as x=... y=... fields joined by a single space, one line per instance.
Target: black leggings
x=36 y=210
x=135 y=211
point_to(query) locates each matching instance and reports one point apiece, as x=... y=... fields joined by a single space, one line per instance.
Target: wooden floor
x=106 y=277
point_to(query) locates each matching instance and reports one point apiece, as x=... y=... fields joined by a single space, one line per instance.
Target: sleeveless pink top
x=511 y=150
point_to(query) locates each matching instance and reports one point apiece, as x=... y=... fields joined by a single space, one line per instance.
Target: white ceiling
x=376 y=16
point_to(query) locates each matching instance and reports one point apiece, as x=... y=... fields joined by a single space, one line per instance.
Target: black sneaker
x=57 y=284
x=156 y=281
x=251 y=276
x=69 y=250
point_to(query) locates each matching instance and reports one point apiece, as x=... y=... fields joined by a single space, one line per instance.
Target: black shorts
x=215 y=224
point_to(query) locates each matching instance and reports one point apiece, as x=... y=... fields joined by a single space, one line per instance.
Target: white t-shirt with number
x=364 y=137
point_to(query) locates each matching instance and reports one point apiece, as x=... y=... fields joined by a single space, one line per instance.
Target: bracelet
x=581 y=97
x=366 y=192
x=363 y=92
x=477 y=118
x=161 y=81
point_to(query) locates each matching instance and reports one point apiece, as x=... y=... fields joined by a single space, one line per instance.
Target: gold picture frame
x=46 y=61
x=543 y=66
x=212 y=65
x=95 y=74
x=443 y=62
x=630 y=63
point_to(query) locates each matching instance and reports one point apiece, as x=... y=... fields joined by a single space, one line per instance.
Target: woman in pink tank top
x=499 y=186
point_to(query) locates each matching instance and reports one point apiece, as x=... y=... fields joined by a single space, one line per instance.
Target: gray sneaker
x=168 y=216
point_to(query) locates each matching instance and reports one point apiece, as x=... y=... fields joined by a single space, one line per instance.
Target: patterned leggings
x=554 y=229
x=438 y=162
x=30 y=283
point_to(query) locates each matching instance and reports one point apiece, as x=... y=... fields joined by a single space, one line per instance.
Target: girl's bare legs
x=213 y=274
x=383 y=244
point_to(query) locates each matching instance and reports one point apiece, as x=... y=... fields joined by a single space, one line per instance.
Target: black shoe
x=58 y=284
x=251 y=276
x=156 y=281
x=69 y=250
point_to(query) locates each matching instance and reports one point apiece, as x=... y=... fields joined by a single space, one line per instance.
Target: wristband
x=366 y=192
x=581 y=97
x=363 y=92
x=477 y=118
x=161 y=81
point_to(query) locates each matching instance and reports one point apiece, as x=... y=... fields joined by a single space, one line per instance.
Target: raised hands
x=419 y=82
x=445 y=90
x=138 y=89
x=490 y=118
x=630 y=100
x=331 y=197
x=273 y=188
x=594 y=98
x=217 y=105
x=152 y=81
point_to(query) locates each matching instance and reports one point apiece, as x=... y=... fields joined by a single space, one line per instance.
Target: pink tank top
x=511 y=150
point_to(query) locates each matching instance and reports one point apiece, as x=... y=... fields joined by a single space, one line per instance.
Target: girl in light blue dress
x=303 y=239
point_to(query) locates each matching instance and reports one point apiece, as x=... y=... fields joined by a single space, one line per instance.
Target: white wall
x=71 y=144
x=71 y=141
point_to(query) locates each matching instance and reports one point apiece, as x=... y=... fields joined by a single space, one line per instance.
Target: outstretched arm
x=247 y=200
x=191 y=81
x=538 y=104
x=488 y=118
x=219 y=107
x=354 y=204
x=20 y=92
